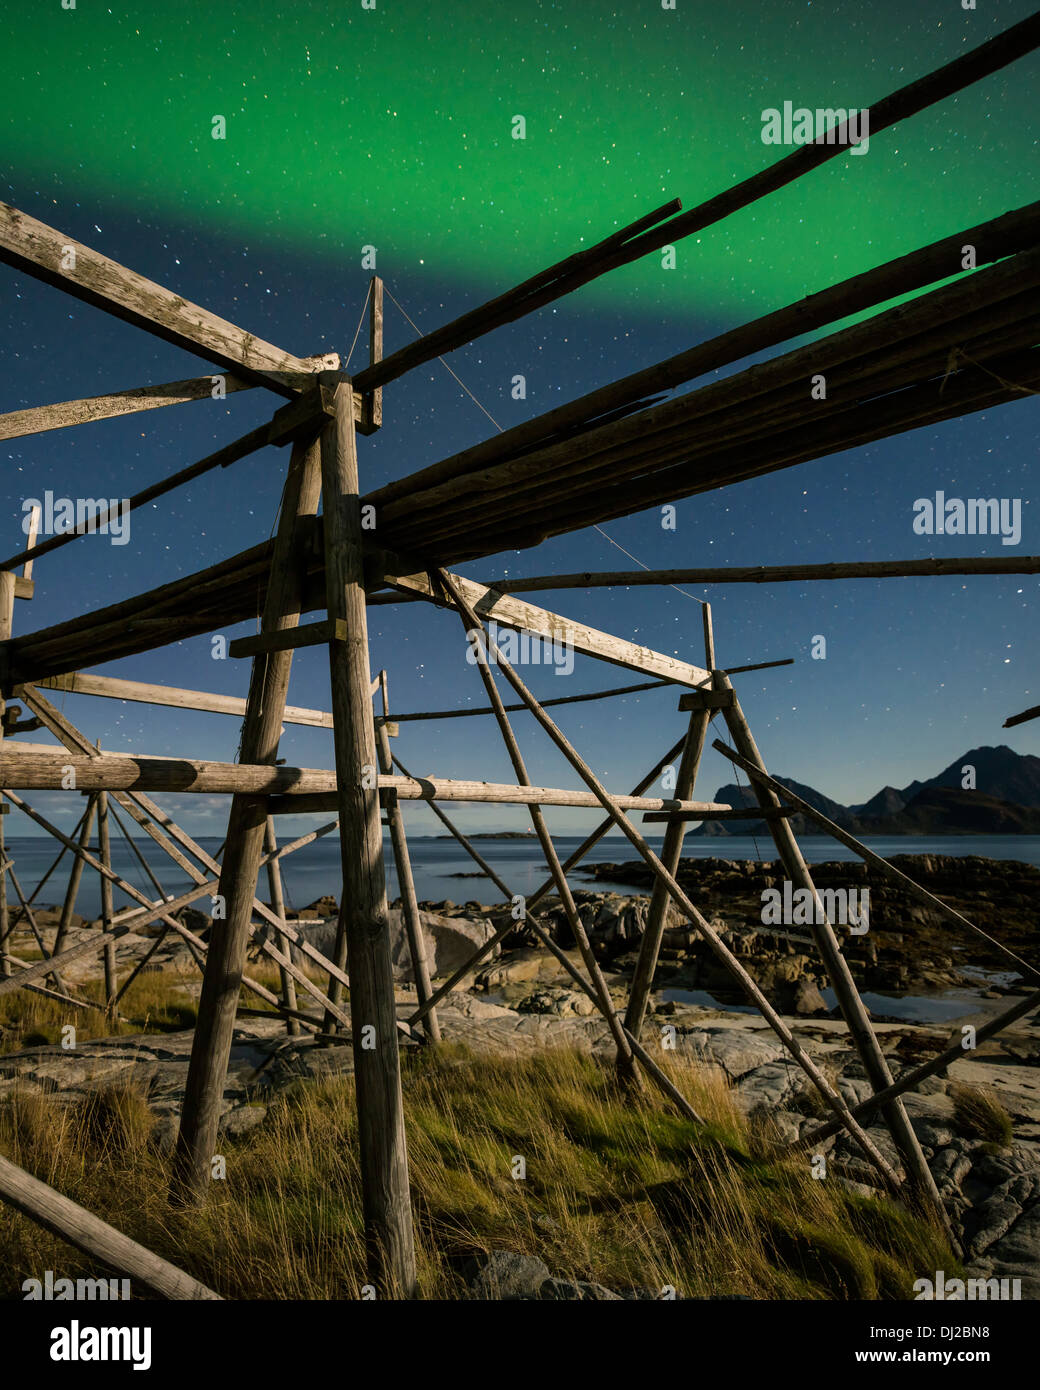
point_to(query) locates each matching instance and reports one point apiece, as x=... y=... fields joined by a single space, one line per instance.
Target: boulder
x=808 y=1001
x=506 y=1274
x=449 y=942
x=563 y=1003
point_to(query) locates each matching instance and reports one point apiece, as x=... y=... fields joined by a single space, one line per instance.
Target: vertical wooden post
x=373 y=400
x=409 y=904
x=274 y=884
x=68 y=906
x=105 y=855
x=34 y=528
x=6 y=626
x=671 y=853
x=364 y=923
x=851 y=1005
x=261 y=729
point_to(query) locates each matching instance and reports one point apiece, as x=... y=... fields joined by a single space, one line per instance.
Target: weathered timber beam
x=915 y=337
x=737 y=813
x=776 y=574
x=96 y=1238
x=1022 y=718
x=514 y=613
x=505 y=307
x=300 y=415
x=1002 y=236
x=44 y=253
x=866 y=1109
x=217 y=597
x=306 y=635
x=173 y=697
x=16 y=424
x=53 y=771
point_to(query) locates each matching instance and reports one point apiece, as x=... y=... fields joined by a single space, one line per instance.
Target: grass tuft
x=979 y=1113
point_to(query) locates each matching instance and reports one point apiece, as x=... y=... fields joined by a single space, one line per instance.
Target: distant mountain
x=887 y=802
x=952 y=811
x=1004 y=801
x=999 y=772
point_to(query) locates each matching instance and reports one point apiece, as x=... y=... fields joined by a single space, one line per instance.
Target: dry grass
x=156 y=1002
x=978 y=1112
x=617 y=1190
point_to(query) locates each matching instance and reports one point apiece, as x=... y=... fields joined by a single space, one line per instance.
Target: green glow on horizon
x=392 y=127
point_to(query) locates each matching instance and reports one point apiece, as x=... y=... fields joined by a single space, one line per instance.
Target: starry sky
x=349 y=127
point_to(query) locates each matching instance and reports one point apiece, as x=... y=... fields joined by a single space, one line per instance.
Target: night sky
x=348 y=127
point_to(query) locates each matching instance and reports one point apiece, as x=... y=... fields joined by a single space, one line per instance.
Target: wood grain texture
x=364 y=919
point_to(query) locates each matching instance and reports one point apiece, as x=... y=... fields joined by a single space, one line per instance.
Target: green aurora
x=348 y=126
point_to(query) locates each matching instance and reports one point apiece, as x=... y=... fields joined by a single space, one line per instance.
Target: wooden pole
x=68 y=906
x=506 y=307
x=773 y=574
x=851 y=1005
x=759 y=775
x=105 y=855
x=145 y=812
x=372 y=408
x=36 y=249
x=291 y=788
x=274 y=885
x=95 y=1237
x=124 y=923
x=994 y=239
x=26 y=910
x=261 y=728
x=291 y=420
x=135 y=849
x=364 y=923
x=671 y=852
x=173 y=697
x=718 y=947
x=909 y=1079
x=600 y=992
x=409 y=903
x=60 y=856
x=6 y=624
x=1023 y=718
x=915 y=340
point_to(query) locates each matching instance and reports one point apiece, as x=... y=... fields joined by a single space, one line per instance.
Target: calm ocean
x=313 y=870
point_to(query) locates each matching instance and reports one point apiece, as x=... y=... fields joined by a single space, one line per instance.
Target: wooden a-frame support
x=247 y=826
x=617 y=814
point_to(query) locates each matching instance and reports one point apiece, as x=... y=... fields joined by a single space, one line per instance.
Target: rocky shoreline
x=519 y=1000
